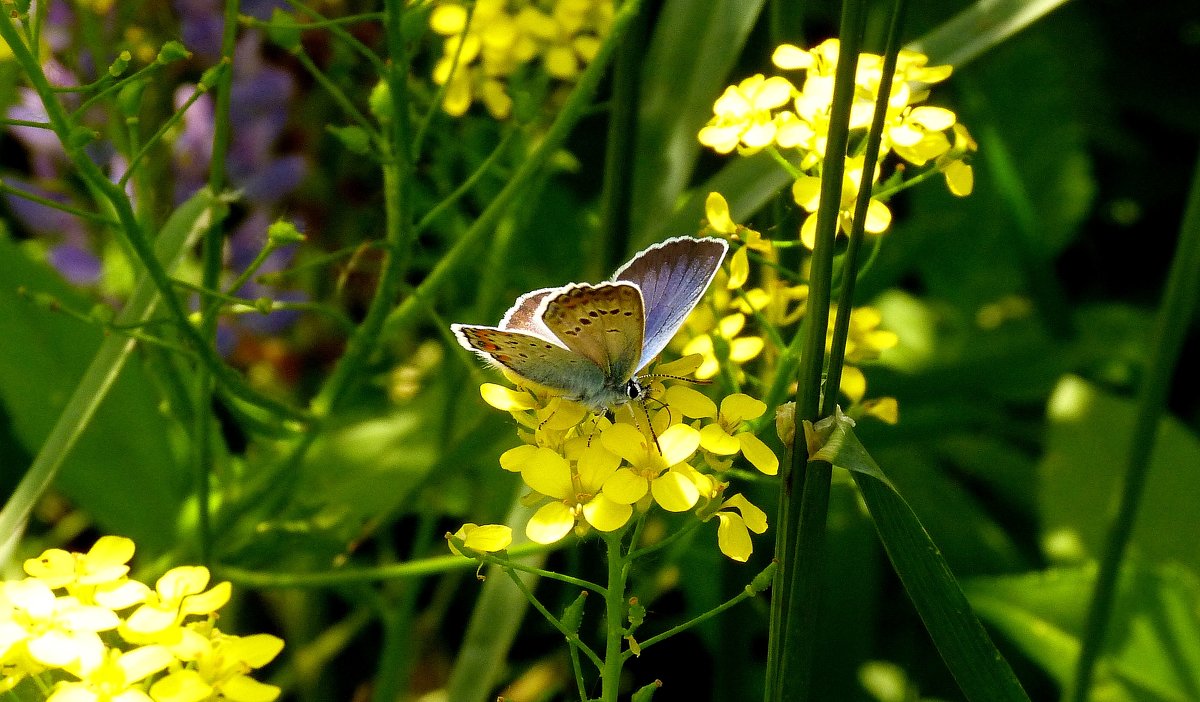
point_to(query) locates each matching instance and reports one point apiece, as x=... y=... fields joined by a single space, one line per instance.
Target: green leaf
x=67 y=390
x=1153 y=650
x=1086 y=445
x=972 y=658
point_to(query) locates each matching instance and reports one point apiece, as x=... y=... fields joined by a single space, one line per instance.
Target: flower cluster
x=589 y=472
x=485 y=46
x=772 y=113
x=79 y=629
x=719 y=332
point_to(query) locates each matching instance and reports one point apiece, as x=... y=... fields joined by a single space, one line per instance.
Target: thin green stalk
x=340 y=32
x=109 y=89
x=745 y=594
x=804 y=499
x=614 y=618
x=47 y=202
x=467 y=184
x=174 y=119
x=573 y=109
x=339 y=96
x=1175 y=313
x=203 y=426
x=25 y=123
x=849 y=271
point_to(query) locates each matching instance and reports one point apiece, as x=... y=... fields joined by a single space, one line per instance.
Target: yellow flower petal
x=181 y=686
x=854 y=383
x=739 y=269
x=487 y=538
x=606 y=515
x=755 y=518
x=243 y=688
x=791 y=58
x=625 y=441
x=732 y=537
x=879 y=217
x=774 y=92
x=933 y=118
x=682 y=367
x=507 y=399
x=960 y=178
x=674 y=492
x=549 y=473
x=625 y=487
x=596 y=465
x=808 y=232
x=678 y=443
x=883 y=408
x=745 y=348
x=716 y=209
x=144 y=661
x=516 y=458
x=448 y=19
x=550 y=523
x=758 y=453
x=690 y=403
x=207 y=602
x=715 y=439
x=806 y=192
x=55 y=567
x=740 y=407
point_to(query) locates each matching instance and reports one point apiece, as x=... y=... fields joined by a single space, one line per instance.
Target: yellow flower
x=95 y=577
x=488 y=538
x=740 y=349
x=178 y=593
x=221 y=663
x=54 y=632
x=653 y=469
x=575 y=494
x=504 y=36
x=919 y=134
x=742 y=116
x=723 y=438
x=716 y=210
x=114 y=678
x=737 y=517
x=864 y=339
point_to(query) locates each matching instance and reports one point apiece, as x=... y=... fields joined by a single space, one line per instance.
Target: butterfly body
x=587 y=341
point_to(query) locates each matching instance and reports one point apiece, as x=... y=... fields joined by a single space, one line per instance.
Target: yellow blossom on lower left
x=78 y=629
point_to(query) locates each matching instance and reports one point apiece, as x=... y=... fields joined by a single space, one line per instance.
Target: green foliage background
x=1009 y=448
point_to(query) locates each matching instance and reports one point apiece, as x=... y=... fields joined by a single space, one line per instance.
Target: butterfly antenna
x=680 y=378
x=649 y=423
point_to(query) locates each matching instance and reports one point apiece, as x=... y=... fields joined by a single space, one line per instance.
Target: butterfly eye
x=633 y=389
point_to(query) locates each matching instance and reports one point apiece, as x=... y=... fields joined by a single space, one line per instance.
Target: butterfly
x=587 y=342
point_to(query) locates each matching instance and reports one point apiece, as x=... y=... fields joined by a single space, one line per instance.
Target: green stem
x=339 y=96
x=203 y=426
x=174 y=119
x=47 y=202
x=849 y=271
x=467 y=184
x=572 y=636
x=744 y=594
x=1177 y=309
x=804 y=499
x=614 y=619
x=340 y=32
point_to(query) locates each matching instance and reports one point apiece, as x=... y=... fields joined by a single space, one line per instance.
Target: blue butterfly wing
x=673 y=276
